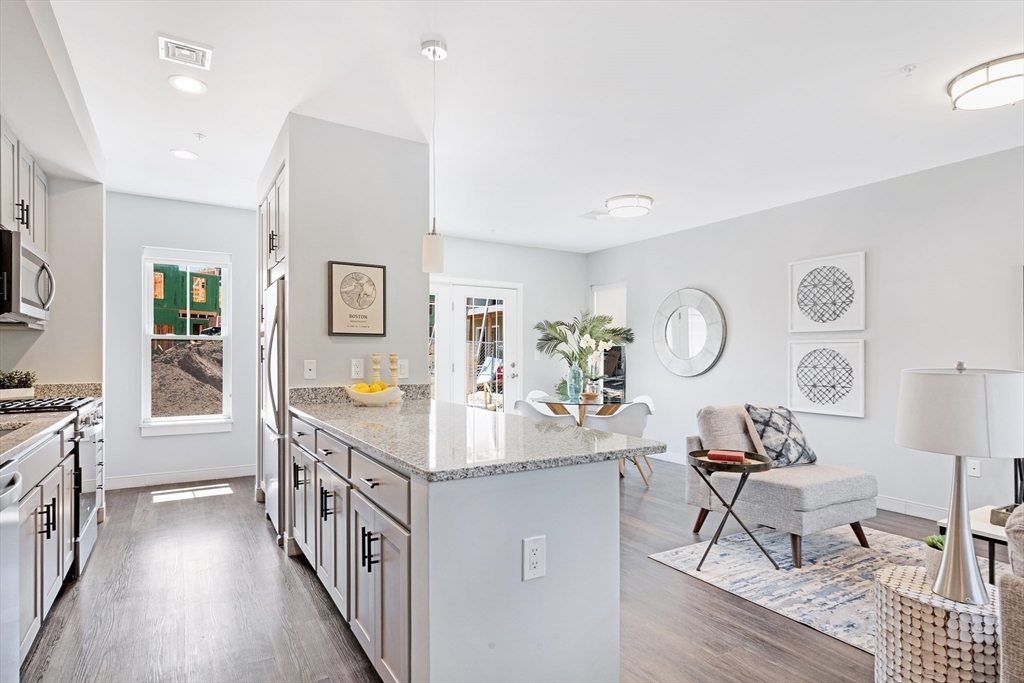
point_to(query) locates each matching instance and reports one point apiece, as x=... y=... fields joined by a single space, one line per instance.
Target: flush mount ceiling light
x=629 y=205
x=192 y=86
x=989 y=85
x=433 y=243
x=184 y=154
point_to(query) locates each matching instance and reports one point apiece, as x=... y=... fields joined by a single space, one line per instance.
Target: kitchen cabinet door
x=53 y=493
x=324 y=564
x=339 y=502
x=67 y=531
x=281 y=221
x=309 y=501
x=361 y=578
x=40 y=204
x=302 y=482
x=8 y=178
x=24 y=189
x=29 y=575
x=392 y=600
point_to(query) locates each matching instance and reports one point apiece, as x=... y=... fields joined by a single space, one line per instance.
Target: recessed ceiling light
x=192 y=86
x=629 y=205
x=184 y=154
x=989 y=85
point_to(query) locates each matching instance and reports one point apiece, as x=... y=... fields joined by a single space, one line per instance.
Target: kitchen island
x=416 y=519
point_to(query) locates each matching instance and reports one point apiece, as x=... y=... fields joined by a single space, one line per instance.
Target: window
x=186 y=379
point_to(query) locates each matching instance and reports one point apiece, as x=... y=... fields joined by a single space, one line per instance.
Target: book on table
x=718 y=455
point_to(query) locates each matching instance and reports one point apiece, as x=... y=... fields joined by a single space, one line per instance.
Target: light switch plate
x=309 y=369
x=357 y=368
x=973 y=467
x=403 y=368
x=534 y=557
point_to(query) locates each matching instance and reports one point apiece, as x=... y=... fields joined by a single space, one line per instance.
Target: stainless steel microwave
x=27 y=284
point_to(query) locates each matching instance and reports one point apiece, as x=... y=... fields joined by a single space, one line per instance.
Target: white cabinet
x=304 y=502
x=273 y=215
x=51 y=488
x=8 y=178
x=67 y=531
x=23 y=190
x=29 y=574
x=332 y=536
x=380 y=589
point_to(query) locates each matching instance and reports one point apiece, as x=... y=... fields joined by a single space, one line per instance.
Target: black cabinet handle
x=298 y=434
x=369 y=553
x=46 y=525
x=324 y=512
x=53 y=515
x=326 y=451
x=295 y=475
x=369 y=482
x=363 y=546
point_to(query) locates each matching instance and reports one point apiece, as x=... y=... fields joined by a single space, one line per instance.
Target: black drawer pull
x=369 y=482
x=369 y=552
x=326 y=451
x=46 y=525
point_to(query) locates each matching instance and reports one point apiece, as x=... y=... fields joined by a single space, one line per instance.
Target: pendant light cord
x=433 y=145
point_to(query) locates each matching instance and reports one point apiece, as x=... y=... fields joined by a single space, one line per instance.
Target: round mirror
x=689 y=332
x=686 y=332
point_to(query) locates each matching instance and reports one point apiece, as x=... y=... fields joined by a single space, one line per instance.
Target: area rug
x=832 y=593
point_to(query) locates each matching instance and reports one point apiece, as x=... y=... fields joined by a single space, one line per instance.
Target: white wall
x=945 y=249
x=360 y=197
x=134 y=222
x=71 y=348
x=553 y=289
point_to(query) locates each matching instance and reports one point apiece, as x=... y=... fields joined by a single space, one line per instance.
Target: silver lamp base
x=959 y=577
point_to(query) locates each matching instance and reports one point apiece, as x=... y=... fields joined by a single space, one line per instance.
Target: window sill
x=179 y=427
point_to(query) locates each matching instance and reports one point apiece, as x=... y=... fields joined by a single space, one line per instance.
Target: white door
x=486 y=344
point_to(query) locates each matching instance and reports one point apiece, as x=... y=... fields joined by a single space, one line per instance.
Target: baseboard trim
x=181 y=477
x=678 y=458
x=909 y=507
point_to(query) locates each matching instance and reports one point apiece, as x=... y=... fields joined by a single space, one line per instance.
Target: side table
x=921 y=636
x=753 y=462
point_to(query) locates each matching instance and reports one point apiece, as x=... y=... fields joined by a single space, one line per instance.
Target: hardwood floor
x=198 y=590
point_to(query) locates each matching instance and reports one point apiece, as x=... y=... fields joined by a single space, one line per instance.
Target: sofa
x=1011 y=604
x=797 y=499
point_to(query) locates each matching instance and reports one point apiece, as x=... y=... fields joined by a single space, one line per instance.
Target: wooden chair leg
x=701 y=516
x=857 y=529
x=649 y=468
x=621 y=462
x=797 y=542
x=641 y=471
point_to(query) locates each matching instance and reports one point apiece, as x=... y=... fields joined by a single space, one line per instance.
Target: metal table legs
x=725 y=517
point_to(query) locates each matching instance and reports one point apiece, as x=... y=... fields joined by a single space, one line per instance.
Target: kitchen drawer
x=303 y=435
x=40 y=462
x=385 y=487
x=334 y=453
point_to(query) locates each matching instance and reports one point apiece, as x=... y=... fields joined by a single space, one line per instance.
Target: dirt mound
x=188 y=379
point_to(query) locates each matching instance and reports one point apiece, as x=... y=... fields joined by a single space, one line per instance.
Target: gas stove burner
x=43 y=405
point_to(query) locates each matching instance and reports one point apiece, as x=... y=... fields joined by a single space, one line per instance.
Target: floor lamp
x=963 y=413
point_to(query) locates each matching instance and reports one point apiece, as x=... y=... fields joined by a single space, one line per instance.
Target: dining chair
x=532 y=398
x=650 y=404
x=631 y=420
x=527 y=409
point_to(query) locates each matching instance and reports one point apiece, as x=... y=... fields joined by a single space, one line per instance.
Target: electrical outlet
x=309 y=369
x=973 y=467
x=534 y=557
x=357 y=368
x=403 y=368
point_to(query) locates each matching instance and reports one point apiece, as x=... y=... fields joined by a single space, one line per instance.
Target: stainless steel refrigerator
x=274 y=410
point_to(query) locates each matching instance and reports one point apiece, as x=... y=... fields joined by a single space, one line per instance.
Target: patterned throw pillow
x=781 y=436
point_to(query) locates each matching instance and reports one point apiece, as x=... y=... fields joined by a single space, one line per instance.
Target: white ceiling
x=546 y=109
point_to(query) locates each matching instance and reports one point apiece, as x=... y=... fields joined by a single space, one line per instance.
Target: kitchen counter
x=441 y=441
x=29 y=430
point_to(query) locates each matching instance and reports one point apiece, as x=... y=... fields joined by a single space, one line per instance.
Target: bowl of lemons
x=376 y=394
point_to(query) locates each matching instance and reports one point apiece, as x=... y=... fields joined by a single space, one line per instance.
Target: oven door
x=27 y=284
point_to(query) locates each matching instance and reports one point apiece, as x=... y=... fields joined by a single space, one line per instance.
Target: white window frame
x=165 y=426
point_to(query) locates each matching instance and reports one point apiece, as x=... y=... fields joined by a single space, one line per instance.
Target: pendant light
x=433 y=243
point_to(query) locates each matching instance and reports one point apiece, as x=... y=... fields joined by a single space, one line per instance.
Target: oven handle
x=53 y=285
x=12 y=493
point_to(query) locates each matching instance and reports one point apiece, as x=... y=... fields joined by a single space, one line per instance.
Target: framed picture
x=827 y=377
x=356 y=299
x=827 y=294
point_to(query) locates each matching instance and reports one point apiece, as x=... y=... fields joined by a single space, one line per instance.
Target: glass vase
x=574 y=382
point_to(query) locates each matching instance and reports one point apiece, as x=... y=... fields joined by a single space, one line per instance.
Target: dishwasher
x=10 y=493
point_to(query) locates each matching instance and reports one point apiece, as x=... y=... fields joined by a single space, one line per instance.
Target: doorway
x=476 y=343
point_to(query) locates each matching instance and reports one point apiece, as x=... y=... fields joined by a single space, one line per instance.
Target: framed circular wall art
x=689 y=332
x=827 y=294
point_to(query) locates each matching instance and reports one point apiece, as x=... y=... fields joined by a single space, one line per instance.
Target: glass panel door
x=485 y=349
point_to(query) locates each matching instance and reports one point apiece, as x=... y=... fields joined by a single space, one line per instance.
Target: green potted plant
x=17 y=384
x=933 y=555
x=581 y=344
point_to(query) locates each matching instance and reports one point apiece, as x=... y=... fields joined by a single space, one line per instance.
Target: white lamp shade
x=976 y=413
x=433 y=253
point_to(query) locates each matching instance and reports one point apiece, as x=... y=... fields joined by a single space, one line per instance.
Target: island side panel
x=486 y=623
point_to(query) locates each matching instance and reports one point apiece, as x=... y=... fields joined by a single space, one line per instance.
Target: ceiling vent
x=179 y=51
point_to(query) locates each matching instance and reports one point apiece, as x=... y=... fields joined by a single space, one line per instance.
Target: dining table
x=560 y=405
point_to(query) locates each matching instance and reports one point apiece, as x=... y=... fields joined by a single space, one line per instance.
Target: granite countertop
x=441 y=441
x=29 y=429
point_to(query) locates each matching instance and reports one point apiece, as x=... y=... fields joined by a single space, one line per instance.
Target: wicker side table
x=921 y=636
